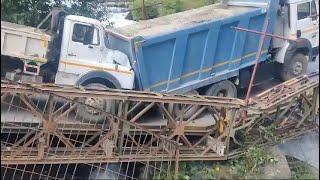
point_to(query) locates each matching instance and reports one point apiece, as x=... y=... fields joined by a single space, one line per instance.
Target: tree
x=32 y=12
x=170 y=7
x=27 y=12
x=145 y=9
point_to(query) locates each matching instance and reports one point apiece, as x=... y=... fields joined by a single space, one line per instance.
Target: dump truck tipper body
x=192 y=49
x=24 y=42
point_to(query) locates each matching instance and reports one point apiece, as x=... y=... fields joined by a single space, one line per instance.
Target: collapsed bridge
x=43 y=137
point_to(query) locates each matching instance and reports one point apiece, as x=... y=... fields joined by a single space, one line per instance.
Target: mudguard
x=99 y=74
x=296 y=46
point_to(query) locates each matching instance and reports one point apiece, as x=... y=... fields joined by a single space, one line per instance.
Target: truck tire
x=297 y=66
x=189 y=110
x=222 y=89
x=91 y=115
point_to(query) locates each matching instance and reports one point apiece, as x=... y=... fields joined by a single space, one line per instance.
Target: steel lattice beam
x=39 y=124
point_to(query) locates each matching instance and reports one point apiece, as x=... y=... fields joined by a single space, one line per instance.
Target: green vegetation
x=299 y=170
x=170 y=7
x=150 y=10
x=248 y=166
x=187 y=4
x=154 y=8
x=32 y=12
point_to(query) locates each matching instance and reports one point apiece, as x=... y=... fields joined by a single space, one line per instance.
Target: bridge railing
x=40 y=125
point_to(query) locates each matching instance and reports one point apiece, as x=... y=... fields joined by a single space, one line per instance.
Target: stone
x=278 y=170
x=305 y=148
x=129 y=16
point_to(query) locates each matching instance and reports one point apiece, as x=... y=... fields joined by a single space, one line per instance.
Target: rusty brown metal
x=265 y=33
x=257 y=62
x=47 y=131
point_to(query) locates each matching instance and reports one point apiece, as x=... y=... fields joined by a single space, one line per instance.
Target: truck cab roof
x=83 y=19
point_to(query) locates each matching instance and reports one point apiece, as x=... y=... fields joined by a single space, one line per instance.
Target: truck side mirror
x=314 y=17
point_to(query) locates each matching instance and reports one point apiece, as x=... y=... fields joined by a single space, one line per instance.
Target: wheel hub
x=94 y=102
x=297 y=68
x=222 y=93
x=188 y=110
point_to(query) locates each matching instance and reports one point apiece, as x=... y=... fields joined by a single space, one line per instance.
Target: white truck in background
x=77 y=52
x=66 y=57
x=75 y=55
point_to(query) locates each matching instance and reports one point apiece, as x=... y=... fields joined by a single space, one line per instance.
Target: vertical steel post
x=176 y=168
x=258 y=57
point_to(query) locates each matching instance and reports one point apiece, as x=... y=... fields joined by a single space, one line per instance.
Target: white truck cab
x=305 y=22
x=85 y=56
x=299 y=20
x=75 y=53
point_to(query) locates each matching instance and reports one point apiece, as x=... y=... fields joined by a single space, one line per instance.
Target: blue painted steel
x=197 y=56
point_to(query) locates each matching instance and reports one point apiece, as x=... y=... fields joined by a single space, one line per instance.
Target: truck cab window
x=313 y=8
x=303 y=10
x=85 y=34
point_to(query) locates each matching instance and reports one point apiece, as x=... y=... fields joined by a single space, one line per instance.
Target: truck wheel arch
x=303 y=46
x=101 y=77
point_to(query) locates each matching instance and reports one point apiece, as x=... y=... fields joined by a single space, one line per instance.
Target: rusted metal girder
x=39 y=124
x=264 y=34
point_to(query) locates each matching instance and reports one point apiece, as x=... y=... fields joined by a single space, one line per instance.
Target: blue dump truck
x=199 y=48
x=195 y=51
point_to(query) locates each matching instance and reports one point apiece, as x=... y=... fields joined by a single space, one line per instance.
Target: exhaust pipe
x=56 y=13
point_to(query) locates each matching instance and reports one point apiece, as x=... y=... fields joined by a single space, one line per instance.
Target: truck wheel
x=92 y=115
x=188 y=111
x=222 y=89
x=294 y=68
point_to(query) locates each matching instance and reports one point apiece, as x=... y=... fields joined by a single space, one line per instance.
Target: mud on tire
x=92 y=115
x=222 y=89
x=297 y=66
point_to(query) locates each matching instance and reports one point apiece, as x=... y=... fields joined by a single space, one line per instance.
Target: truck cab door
x=307 y=22
x=85 y=49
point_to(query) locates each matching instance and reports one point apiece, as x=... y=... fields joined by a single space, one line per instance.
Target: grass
x=175 y=6
x=248 y=166
x=192 y=4
x=299 y=169
x=154 y=9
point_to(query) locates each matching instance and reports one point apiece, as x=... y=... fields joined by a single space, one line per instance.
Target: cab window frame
x=301 y=13
x=77 y=25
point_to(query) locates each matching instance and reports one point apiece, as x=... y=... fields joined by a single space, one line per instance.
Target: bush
x=187 y=4
x=151 y=9
x=32 y=12
x=155 y=8
x=170 y=7
x=248 y=166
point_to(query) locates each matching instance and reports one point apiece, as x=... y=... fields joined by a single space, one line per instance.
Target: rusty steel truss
x=40 y=127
